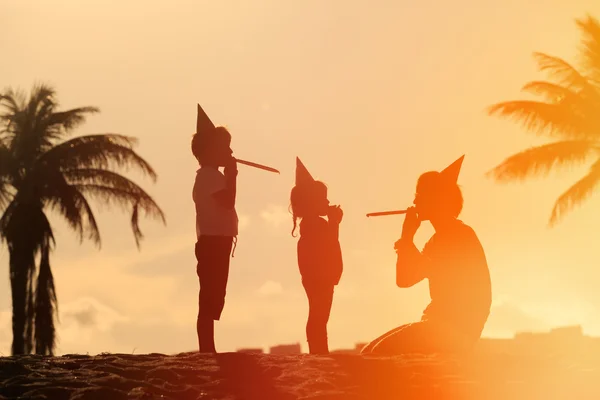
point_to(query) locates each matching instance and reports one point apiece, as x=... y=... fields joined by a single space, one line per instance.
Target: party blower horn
x=450 y=174
x=204 y=126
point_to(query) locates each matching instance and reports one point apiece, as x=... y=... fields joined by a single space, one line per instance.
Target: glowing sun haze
x=368 y=94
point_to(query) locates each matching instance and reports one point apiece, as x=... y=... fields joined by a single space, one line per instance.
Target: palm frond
x=35 y=124
x=552 y=92
x=126 y=196
x=583 y=104
x=26 y=132
x=57 y=125
x=590 y=50
x=541 y=160
x=576 y=194
x=70 y=119
x=97 y=151
x=99 y=176
x=127 y=193
x=564 y=73
x=59 y=195
x=6 y=191
x=555 y=120
x=6 y=194
x=12 y=102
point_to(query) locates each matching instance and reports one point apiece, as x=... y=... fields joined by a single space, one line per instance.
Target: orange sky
x=368 y=94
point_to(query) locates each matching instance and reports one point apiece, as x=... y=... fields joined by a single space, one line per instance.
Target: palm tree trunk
x=46 y=306
x=22 y=266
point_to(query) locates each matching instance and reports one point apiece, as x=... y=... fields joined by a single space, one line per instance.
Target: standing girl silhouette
x=319 y=252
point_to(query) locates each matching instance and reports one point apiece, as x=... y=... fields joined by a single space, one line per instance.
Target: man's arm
x=410 y=264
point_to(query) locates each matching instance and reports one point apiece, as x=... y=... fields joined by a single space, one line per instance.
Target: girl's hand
x=335 y=214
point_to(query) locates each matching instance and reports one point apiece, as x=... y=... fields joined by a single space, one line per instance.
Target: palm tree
x=568 y=113
x=42 y=170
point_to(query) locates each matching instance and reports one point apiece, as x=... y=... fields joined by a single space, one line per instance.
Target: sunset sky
x=368 y=94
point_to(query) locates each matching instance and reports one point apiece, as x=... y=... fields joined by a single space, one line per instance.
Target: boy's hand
x=231 y=167
x=335 y=214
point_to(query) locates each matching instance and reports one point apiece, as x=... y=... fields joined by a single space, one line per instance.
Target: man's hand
x=335 y=214
x=411 y=224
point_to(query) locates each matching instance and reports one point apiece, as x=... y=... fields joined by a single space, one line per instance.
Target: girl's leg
x=320 y=299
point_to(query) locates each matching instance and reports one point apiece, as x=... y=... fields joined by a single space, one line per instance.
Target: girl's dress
x=321 y=266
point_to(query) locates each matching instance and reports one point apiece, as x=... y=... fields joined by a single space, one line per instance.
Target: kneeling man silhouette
x=452 y=260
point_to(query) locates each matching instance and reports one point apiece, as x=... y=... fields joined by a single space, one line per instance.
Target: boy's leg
x=222 y=248
x=212 y=253
x=206 y=334
x=204 y=323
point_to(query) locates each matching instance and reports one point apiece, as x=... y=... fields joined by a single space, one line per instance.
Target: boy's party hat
x=204 y=125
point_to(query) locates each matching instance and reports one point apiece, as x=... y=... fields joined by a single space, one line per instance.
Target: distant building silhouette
x=286 y=349
x=566 y=339
x=560 y=333
x=356 y=350
x=251 y=351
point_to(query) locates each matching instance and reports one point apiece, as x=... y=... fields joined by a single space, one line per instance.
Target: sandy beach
x=337 y=376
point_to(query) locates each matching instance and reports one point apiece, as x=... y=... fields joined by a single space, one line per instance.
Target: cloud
x=275 y=215
x=87 y=312
x=270 y=288
x=83 y=327
x=85 y=318
x=244 y=221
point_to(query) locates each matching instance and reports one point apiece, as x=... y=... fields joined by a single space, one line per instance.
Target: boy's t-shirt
x=211 y=217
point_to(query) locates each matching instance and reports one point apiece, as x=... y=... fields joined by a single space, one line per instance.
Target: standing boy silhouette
x=216 y=222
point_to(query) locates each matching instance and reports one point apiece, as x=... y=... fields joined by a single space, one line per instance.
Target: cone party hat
x=302 y=174
x=451 y=172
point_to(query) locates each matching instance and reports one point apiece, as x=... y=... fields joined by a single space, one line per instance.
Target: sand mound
x=256 y=376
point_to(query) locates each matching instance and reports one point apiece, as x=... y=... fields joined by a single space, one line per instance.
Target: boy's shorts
x=213 y=254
